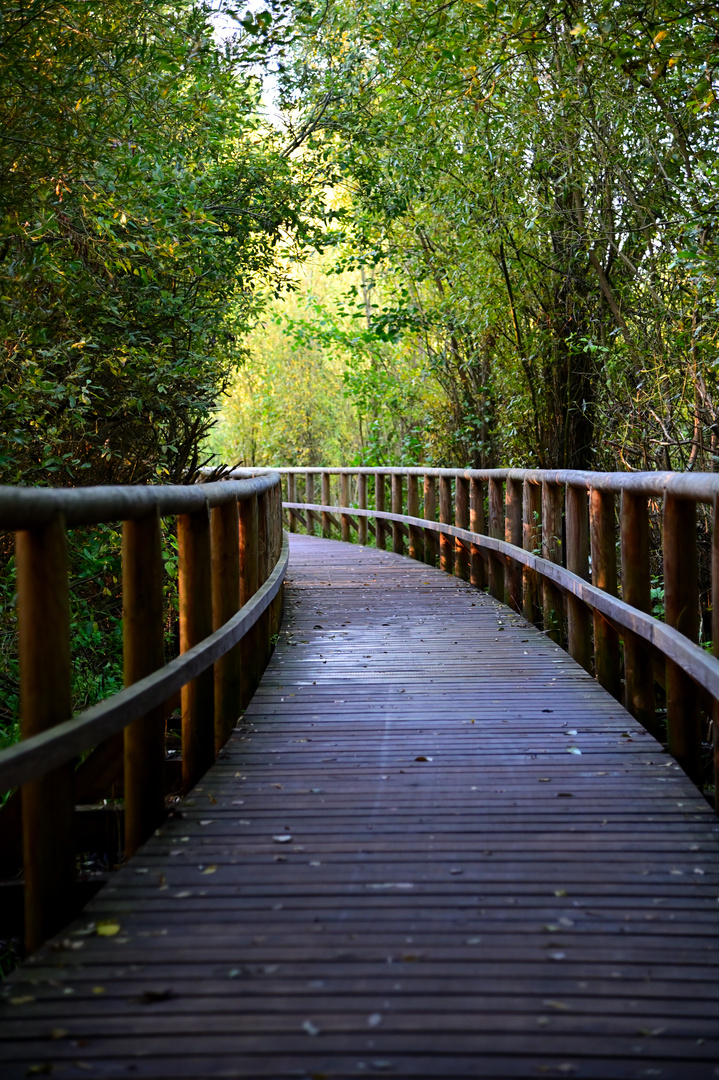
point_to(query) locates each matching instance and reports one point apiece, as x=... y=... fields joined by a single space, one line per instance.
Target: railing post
x=276 y=511
x=310 y=498
x=325 y=499
x=292 y=497
x=264 y=559
x=397 y=540
x=249 y=584
x=416 y=535
x=362 y=501
x=477 y=565
x=579 y=621
x=531 y=541
x=45 y=700
x=513 y=535
x=496 y=531
x=715 y=639
x=636 y=590
x=604 y=576
x=430 y=513
x=345 y=501
x=446 y=545
x=195 y=592
x=461 y=520
x=380 y=523
x=225 y=533
x=681 y=601
x=552 y=600
x=143 y=648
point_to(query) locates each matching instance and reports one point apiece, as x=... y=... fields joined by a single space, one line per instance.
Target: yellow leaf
x=107 y=928
x=209 y=870
x=98 y=989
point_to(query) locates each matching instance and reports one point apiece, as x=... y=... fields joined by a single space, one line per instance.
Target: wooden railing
x=232 y=563
x=570 y=551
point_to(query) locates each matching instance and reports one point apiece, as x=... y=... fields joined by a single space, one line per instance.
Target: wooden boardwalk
x=437 y=849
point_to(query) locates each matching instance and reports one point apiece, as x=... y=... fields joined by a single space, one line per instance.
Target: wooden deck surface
x=437 y=849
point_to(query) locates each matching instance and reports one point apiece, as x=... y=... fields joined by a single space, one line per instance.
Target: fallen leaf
x=573 y=750
x=58 y=1033
x=107 y=928
x=557 y=955
x=209 y=870
x=560 y=892
x=423 y=758
x=282 y=838
x=23 y=1000
x=374 y=1019
x=98 y=989
x=310 y=1028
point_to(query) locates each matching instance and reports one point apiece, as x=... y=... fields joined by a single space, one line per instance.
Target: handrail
x=232 y=563
x=699 y=487
x=26 y=508
x=493 y=525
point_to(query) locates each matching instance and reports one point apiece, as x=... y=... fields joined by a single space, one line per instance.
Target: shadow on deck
x=436 y=848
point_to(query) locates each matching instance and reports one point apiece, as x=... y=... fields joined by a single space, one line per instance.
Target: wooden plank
x=503 y=907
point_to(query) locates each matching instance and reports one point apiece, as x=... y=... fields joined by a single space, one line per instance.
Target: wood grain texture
x=45 y=702
x=462 y=896
x=195 y=601
x=143 y=641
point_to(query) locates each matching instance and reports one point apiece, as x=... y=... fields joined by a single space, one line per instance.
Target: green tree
x=143 y=201
x=542 y=181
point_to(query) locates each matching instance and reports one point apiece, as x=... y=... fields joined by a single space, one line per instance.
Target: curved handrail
x=26 y=508
x=702 y=667
x=39 y=754
x=698 y=487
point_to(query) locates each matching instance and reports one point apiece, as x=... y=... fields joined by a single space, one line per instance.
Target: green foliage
x=142 y=202
x=536 y=194
x=327 y=382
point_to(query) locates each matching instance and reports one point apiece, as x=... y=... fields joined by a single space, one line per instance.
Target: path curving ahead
x=436 y=849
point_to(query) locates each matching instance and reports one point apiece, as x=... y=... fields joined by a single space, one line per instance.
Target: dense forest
x=463 y=233
x=525 y=196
